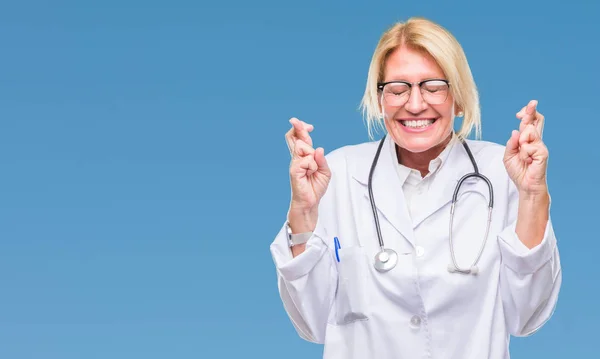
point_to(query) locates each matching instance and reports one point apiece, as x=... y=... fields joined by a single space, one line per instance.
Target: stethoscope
x=386 y=259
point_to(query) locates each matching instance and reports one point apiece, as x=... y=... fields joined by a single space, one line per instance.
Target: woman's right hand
x=309 y=177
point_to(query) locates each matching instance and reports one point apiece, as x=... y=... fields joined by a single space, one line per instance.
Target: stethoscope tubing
x=454 y=266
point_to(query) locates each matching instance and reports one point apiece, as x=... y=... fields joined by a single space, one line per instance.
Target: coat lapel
x=387 y=189
x=456 y=165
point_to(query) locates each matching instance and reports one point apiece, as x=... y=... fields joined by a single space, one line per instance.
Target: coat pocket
x=352 y=297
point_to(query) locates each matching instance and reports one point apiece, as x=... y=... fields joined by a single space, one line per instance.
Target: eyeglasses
x=397 y=93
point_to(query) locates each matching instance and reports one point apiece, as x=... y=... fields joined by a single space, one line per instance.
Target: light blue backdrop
x=143 y=168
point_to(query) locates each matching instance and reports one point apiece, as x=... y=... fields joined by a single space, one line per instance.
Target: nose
x=415 y=104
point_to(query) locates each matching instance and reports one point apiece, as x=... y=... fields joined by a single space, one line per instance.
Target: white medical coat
x=418 y=309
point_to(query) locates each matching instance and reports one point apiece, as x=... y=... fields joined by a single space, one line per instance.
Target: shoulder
x=340 y=159
x=486 y=150
x=490 y=159
x=489 y=155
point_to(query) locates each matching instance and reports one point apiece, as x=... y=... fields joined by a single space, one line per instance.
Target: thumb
x=512 y=146
x=321 y=161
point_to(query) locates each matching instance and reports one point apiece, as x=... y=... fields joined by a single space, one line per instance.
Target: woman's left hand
x=526 y=155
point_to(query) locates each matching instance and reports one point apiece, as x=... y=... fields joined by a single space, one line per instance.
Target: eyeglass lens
x=434 y=92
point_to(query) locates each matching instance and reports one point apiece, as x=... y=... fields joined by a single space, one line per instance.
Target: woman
x=456 y=285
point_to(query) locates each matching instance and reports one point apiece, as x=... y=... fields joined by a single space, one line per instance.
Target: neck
x=420 y=161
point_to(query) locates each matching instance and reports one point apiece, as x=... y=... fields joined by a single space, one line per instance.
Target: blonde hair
x=422 y=34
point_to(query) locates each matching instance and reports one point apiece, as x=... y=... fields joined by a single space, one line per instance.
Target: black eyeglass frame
x=381 y=85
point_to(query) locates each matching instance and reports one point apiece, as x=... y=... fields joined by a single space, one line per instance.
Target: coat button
x=415 y=322
x=420 y=251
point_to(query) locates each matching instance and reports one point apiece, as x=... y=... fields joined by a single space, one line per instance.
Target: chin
x=417 y=145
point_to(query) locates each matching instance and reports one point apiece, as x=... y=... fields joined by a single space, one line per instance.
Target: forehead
x=411 y=65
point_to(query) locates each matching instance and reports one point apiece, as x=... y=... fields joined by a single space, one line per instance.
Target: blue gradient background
x=144 y=169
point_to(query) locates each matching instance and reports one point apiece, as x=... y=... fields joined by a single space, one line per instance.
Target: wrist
x=533 y=216
x=302 y=220
x=539 y=196
x=534 y=207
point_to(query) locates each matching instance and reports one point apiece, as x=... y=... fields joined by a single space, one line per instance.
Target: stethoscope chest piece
x=386 y=260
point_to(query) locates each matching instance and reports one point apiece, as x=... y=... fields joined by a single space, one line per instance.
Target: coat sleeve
x=308 y=282
x=530 y=279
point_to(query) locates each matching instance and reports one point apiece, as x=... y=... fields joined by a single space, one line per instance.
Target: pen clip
x=337 y=245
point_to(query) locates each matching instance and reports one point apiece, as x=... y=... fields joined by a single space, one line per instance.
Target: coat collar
x=387 y=186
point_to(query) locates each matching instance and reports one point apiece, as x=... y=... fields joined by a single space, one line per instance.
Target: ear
x=458 y=112
x=380 y=106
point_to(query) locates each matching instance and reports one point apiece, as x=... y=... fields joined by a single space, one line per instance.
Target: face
x=417 y=125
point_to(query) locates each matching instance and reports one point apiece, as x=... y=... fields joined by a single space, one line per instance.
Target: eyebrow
x=422 y=80
x=397 y=78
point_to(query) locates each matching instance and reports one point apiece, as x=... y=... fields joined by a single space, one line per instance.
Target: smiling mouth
x=420 y=123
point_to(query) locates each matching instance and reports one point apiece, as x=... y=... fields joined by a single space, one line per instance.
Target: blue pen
x=336 y=242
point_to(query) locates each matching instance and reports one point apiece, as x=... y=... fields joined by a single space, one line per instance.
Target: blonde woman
x=424 y=244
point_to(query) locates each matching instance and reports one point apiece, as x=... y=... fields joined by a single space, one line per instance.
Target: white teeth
x=417 y=123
